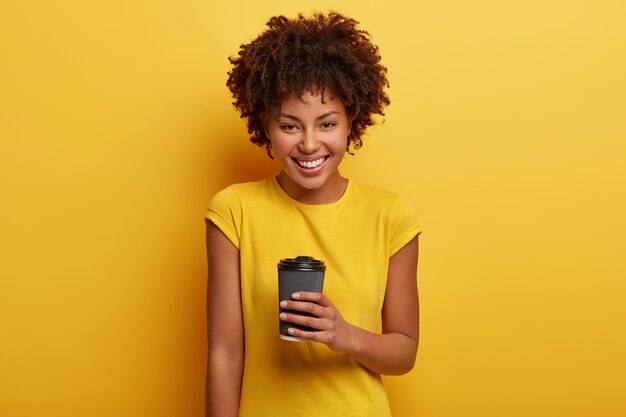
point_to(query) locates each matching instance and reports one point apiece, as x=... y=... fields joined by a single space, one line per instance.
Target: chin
x=312 y=184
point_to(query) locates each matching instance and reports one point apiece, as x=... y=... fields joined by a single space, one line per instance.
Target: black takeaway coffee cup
x=303 y=273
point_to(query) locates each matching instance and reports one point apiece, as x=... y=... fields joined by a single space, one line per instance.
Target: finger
x=316 y=297
x=303 y=306
x=313 y=322
x=302 y=334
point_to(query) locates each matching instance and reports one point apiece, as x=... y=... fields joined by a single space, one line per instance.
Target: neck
x=329 y=193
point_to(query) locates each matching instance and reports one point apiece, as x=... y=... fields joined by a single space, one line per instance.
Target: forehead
x=312 y=100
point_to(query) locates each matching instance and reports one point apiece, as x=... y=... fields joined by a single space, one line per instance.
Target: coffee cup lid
x=302 y=263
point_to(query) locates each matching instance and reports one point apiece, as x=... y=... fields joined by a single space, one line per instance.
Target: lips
x=310 y=163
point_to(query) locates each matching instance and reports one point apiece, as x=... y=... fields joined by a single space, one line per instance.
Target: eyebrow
x=323 y=116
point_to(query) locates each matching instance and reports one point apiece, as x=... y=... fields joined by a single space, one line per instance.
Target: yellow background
x=506 y=131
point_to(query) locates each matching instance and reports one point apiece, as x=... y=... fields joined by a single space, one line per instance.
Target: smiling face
x=309 y=139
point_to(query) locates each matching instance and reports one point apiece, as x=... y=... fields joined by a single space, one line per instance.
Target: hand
x=333 y=330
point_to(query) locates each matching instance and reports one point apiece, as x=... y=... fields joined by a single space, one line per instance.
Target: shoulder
x=391 y=207
x=243 y=191
x=394 y=211
x=229 y=206
x=377 y=196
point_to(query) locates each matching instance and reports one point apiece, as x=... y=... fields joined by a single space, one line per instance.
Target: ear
x=348 y=137
x=265 y=122
x=268 y=146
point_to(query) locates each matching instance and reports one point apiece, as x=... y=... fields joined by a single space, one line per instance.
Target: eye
x=328 y=125
x=288 y=127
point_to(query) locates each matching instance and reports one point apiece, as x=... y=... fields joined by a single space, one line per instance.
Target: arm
x=225 y=326
x=392 y=352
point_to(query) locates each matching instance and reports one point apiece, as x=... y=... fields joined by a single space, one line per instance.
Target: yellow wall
x=506 y=131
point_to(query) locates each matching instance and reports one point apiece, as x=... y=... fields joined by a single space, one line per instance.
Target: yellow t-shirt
x=355 y=237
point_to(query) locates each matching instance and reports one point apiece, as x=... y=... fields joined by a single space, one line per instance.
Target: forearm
x=385 y=354
x=223 y=384
x=394 y=351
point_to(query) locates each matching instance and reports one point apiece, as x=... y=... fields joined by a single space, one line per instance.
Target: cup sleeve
x=403 y=225
x=224 y=211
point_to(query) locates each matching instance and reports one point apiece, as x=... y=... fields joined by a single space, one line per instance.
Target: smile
x=310 y=164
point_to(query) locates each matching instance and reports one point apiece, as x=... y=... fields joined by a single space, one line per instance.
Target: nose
x=309 y=143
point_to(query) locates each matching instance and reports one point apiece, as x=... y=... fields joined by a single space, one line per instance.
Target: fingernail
x=283 y=304
x=290 y=330
x=295 y=295
x=282 y=316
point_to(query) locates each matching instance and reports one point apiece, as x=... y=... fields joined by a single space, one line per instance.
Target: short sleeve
x=224 y=211
x=402 y=225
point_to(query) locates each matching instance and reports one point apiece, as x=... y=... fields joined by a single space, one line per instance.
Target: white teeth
x=311 y=164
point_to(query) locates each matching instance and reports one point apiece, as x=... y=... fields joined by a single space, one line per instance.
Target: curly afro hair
x=294 y=55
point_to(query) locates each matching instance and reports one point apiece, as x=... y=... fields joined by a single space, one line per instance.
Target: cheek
x=342 y=140
x=279 y=144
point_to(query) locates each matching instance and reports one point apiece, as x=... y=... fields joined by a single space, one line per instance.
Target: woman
x=308 y=89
